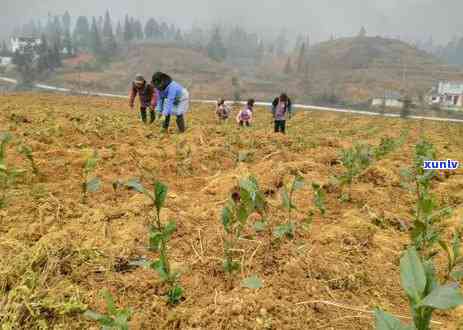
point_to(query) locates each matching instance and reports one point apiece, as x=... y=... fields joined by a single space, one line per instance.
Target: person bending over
x=147 y=97
x=172 y=99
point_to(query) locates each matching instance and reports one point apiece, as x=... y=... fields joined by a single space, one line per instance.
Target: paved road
x=298 y=106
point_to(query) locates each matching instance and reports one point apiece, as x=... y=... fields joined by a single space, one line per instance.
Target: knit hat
x=139 y=78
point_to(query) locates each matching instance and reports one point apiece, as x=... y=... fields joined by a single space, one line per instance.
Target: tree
x=119 y=32
x=128 y=30
x=363 y=32
x=4 y=50
x=66 y=21
x=109 y=41
x=82 y=33
x=67 y=40
x=137 y=29
x=216 y=49
x=44 y=61
x=152 y=29
x=26 y=63
x=288 y=69
x=179 y=36
x=95 y=44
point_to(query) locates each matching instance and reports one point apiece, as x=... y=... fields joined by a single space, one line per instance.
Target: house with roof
x=390 y=99
x=20 y=43
x=447 y=94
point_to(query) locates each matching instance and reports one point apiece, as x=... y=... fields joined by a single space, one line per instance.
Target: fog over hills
x=409 y=19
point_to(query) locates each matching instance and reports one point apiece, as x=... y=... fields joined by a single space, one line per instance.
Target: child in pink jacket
x=244 y=117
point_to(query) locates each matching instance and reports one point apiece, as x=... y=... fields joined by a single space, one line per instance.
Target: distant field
x=57 y=253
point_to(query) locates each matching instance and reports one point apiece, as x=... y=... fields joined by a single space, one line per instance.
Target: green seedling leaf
x=102 y=319
x=285 y=199
x=110 y=305
x=252 y=282
x=259 y=226
x=160 y=194
x=160 y=268
x=457 y=274
x=226 y=217
x=412 y=274
x=298 y=183
x=136 y=185
x=169 y=229
x=230 y=266
x=385 y=321
x=155 y=240
x=175 y=295
x=284 y=230
x=443 y=297
x=93 y=185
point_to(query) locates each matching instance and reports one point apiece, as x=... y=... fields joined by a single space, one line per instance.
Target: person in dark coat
x=147 y=95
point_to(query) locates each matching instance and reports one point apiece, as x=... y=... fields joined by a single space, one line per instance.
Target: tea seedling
x=425 y=294
x=115 y=319
x=240 y=206
x=287 y=203
x=89 y=184
x=388 y=145
x=454 y=257
x=159 y=236
x=425 y=234
x=26 y=151
x=319 y=197
x=354 y=160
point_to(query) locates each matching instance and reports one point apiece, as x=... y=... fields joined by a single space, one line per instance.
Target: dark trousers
x=143 y=115
x=280 y=126
x=180 y=123
x=242 y=123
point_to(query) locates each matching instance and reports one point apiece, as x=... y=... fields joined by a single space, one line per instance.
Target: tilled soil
x=57 y=253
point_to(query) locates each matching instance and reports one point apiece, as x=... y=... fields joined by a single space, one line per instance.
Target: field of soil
x=57 y=253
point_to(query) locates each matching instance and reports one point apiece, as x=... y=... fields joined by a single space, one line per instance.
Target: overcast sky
x=320 y=18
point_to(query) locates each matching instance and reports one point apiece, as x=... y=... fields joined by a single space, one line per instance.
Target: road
x=296 y=106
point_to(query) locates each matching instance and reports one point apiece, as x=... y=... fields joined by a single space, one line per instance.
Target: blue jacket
x=169 y=98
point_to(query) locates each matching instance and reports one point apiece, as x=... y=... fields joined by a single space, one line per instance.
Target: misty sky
x=320 y=18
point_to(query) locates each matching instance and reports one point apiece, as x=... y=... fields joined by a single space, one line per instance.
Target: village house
x=447 y=94
x=19 y=43
x=390 y=99
x=5 y=60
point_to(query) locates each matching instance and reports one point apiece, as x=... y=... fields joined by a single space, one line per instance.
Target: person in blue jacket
x=172 y=99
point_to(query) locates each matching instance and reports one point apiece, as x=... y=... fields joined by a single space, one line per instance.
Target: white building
x=390 y=99
x=19 y=43
x=447 y=94
x=5 y=61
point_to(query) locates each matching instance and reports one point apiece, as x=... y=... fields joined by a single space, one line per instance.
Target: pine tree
x=44 y=63
x=67 y=40
x=109 y=41
x=151 y=29
x=216 y=49
x=119 y=32
x=95 y=39
x=66 y=21
x=363 y=32
x=137 y=30
x=128 y=32
x=82 y=33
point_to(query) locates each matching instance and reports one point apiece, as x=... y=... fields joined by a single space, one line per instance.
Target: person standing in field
x=244 y=117
x=147 y=97
x=222 y=111
x=172 y=99
x=281 y=110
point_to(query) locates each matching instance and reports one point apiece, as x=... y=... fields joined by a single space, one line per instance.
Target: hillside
x=360 y=68
x=353 y=70
x=57 y=253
